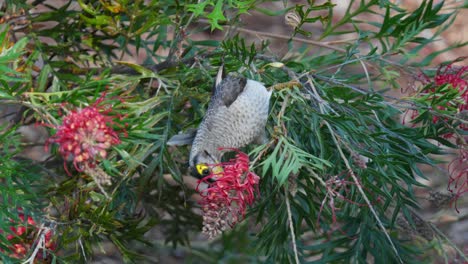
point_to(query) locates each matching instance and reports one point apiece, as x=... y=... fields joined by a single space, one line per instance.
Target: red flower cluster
x=85 y=135
x=225 y=200
x=445 y=75
x=458 y=168
x=23 y=238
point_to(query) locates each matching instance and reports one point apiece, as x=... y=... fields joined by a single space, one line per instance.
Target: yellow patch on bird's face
x=203 y=169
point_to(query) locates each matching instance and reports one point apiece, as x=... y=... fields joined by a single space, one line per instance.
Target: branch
x=327 y=45
x=291 y=227
x=124 y=69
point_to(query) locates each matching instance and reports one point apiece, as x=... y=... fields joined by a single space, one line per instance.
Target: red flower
x=30 y=220
x=19 y=250
x=444 y=76
x=29 y=239
x=85 y=135
x=49 y=243
x=447 y=76
x=225 y=200
x=19 y=231
x=458 y=168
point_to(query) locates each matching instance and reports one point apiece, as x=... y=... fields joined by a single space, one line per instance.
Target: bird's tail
x=182 y=138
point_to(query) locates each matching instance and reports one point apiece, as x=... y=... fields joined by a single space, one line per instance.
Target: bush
x=112 y=81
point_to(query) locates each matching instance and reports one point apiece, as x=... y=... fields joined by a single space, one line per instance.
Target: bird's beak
x=217 y=170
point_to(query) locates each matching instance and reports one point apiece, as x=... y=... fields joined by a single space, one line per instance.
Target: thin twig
x=317 y=177
x=364 y=67
x=40 y=244
x=327 y=45
x=82 y=249
x=291 y=226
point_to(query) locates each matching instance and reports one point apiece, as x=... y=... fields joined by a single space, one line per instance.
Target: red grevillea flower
x=86 y=135
x=458 y=168
x=19 y=251
x=24 y=238
x=447 y=76
x=225 y=200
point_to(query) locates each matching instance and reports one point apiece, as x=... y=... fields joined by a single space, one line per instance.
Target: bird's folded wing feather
x=229 y=89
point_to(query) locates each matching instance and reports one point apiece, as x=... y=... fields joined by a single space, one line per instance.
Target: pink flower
x=86 y=135
x=225 y=200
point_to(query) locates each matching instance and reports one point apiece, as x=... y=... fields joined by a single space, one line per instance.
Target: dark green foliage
x=337 y=173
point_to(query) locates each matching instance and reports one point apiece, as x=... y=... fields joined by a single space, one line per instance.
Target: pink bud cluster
x=23 y=237
x=85 y=136
x=225 y=200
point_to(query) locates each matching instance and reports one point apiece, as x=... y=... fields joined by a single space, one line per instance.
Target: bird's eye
x=203 y=169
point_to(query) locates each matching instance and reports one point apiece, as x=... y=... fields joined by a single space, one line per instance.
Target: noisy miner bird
x=236 y=116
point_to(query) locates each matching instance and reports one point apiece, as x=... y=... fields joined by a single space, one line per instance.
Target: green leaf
x=5 y=95
x=217 y=15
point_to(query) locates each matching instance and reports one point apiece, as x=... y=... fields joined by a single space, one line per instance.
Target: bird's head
x=200 y=164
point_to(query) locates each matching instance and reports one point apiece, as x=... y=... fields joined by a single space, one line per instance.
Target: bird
x=236 y=117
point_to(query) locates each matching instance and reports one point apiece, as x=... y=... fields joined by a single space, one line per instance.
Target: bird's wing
x=229 y=89
x=225 y=94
